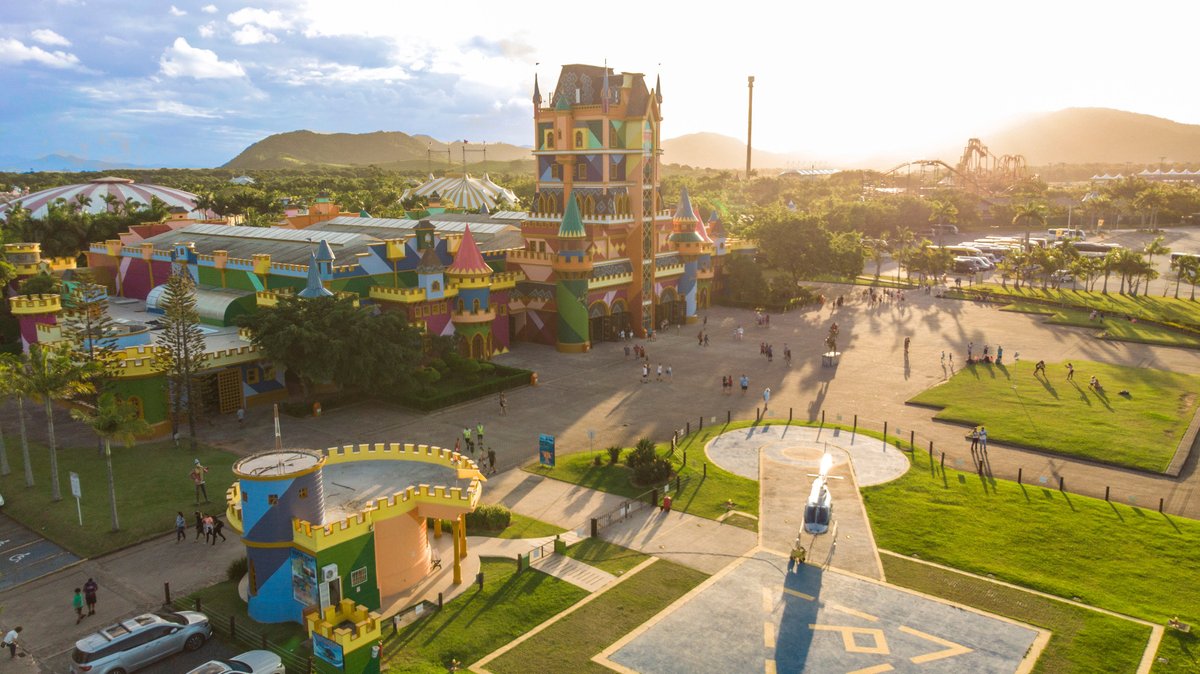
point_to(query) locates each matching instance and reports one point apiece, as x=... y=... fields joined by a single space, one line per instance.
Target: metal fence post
x=167 y=593
x=822 y=417
x=595 y=527
x=705 y=469
x=264 y=642
x=1105 y=493
x=701 y=424
x=232 y=626
x=1060 y=483
x=931 y=452
x=912 y=441
x=885 y=432
x=943 y=461
x=689 y=428
x=1019 y=471
x=728 y=415
x=198 y=604
x=789 y=415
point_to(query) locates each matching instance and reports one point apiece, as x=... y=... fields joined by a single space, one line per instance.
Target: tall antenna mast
x=278 y=435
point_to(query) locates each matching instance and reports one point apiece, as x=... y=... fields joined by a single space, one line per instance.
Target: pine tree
x=181 y=352
x=90 y=332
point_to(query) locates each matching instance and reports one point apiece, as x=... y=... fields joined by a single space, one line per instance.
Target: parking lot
x=24 y=555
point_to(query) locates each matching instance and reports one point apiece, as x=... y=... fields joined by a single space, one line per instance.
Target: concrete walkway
x=575 y=572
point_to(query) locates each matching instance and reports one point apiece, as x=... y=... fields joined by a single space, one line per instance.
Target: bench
x=1174 y=624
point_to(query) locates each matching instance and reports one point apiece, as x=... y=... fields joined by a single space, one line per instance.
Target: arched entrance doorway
x=619 y=318
x=600 y=323
x=670 y=308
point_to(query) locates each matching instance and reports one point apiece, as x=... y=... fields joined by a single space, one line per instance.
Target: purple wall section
x=135 y=277
x=436 y=324
x=29 y=328
x=500 y=337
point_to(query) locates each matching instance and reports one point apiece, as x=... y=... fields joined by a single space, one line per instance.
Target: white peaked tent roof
x=465 y=191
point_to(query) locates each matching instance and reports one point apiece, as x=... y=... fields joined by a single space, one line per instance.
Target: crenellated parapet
x=233 y=509
x=30 y=305
x=351 y=626
x=406 y=295
x=506 y=280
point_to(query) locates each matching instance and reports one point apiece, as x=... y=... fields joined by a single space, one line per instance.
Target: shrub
x=439 y=364
x=469 y=369
x=237 y=569
x=598 y=460
x=642 y=454
x=614 y=453
x=487 y=369
x=489 y=517
x=656 y=471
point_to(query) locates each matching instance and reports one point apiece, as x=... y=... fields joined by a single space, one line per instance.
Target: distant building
x=241 y=180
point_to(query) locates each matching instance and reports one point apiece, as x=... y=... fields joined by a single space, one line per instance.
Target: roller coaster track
x=978 y=169
x=938 y=163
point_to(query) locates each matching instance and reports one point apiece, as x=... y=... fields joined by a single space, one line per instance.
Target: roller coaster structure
x=978 y=170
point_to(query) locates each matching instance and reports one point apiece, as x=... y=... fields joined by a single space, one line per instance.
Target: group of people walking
x=208 y=525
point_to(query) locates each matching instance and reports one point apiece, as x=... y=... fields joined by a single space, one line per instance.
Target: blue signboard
x=329 y=651
x=546 y=449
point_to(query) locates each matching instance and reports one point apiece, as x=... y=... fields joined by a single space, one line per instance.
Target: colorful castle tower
x=473 y=314
x=690 y=245
x=572 y=267
x=597 y=145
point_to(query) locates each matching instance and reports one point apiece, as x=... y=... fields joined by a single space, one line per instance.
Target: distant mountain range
x=60 y=162
x=386 y=149
x=1098 y=135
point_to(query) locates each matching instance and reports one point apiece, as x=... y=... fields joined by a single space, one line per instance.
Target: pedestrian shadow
x=1045 y=381
x=1082 y=396
x=1003 y=369
x=907 y=366
x=1103 y=399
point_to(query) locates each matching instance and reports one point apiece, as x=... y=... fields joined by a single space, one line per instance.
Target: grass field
x=1117 y=329
x=221 y=601
x=569 y=644
x=1082 y=641
x=151 y=480
x=519 y=526
x=701 y=496
x=606 y=556
x=1049 y=413
x=1122 y=558
x=1169 y=309
x=479 y=621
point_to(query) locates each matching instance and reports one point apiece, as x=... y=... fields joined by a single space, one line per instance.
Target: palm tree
x=1189 y=268
x=905 y=240
x=50 y=376
x=1182 y=266
x=1153 y=248
x=11 y=368
x=1108 y=263
x=877 y=250
x=942 y=213
x=7 y=381
x=113 y=420
x=1030 y=211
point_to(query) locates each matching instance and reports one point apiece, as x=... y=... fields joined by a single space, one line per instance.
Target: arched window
x=588 y=205
x=578 y=139
x=462 y=306
x=435 y=286
x=549 y=139
x=475 y=306
x=581 y=171
x=137 y=404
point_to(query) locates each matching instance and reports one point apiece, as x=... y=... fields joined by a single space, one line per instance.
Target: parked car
x=250 y=662
x=139 y=641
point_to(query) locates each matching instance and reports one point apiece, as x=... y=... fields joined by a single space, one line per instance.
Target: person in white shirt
x=11 y=639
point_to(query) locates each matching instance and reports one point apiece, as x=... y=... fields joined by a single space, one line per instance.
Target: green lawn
x=1082 y=641
x=569 y=644
x=479 y=621
x=701 y=496
x=519 y=526
x=1126 y=559
x=606 y=556
x=152 y=483
x=221 y=601
x=1049 y=413
x=1182 y=311
x=1117 y=329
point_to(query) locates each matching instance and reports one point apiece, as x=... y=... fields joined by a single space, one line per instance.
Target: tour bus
x=1065 y=234
x=1176 y=256
x=1093 y=248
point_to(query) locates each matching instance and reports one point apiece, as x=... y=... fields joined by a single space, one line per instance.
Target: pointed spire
x=324 y=252
x=605 y=94
x=430 y=263
x=537 y=93
x=468 y=260
x=313 y=287
x=658 y=88
x=702 y=231
x=572 y=223
x=685 y=220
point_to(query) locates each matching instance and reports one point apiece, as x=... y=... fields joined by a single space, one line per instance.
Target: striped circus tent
x=91 y=196
x=464 y=191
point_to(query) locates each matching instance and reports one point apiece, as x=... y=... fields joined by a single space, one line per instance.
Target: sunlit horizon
x=193 y=84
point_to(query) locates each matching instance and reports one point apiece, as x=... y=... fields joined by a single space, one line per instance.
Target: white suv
x=135 y=643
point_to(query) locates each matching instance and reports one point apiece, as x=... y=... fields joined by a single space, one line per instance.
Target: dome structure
x=121 y=190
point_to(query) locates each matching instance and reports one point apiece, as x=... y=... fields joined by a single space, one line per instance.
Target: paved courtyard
x=758 y=617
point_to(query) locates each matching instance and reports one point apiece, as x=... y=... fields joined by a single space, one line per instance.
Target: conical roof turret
x=430 y=263
x=537 y=93
x=572 y=223
x=468 y=261
x=313 y=287
x=684 y=222
x=324 y=252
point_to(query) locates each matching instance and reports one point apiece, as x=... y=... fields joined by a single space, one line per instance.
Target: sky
x=191 y=84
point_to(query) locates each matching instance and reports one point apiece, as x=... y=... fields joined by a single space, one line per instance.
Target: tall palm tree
x=1029 y=212
x=1189 y=268
x=1151 y=249
x=7 y=389
x=1181 y=265
x=47 y=377
x=1108 y=263
x=877 y=251
x=11 y=368
x=118 y=420
x=905 y=242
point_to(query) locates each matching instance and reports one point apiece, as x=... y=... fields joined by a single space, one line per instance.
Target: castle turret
x=572 y=269
x=314 y=287
x=690 y=245
x=32 y=311
x=473 y=313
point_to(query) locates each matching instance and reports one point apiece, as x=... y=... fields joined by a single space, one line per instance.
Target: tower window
x=549 y=139
x=578 y=139
x=581 y=171
x=474 y=306
x=556 y=172
x=303 y=493
x=272 y=499
x=435 y=286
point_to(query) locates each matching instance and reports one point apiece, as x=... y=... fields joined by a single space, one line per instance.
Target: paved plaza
x=759 y=617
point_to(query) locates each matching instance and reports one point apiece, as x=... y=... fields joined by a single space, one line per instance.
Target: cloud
x=15 y=51
x=183 y=60
x=49 y=37
x=207 y=29
x=175 y=11
x=312 y=71
x=209 y=9
x=173 y=108
x=252 y=34
x=273 y=19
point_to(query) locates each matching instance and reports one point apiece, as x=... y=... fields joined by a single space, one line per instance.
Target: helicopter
x=818 y=511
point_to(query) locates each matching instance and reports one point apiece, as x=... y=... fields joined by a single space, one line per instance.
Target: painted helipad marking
x=769 y=667
x=769 y=635
x=873 y=669
x=851 y=644
x=856 y=614
x=768 y=600
x=794 y=593
x=952 y=649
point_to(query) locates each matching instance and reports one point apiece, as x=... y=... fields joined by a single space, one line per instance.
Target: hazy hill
x=713 y=150
x=60 y=162
x=1097 y=135
x=297 y=149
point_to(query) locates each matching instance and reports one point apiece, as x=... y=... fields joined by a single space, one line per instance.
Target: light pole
x=749 y=123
